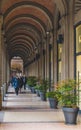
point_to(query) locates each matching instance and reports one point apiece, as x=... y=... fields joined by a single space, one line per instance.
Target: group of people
x=18 y=82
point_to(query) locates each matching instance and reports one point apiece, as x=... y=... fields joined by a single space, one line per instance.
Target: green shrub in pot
x=53 y=98
x=68 y=100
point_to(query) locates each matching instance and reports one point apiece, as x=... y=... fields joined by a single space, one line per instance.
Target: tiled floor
x=27 y=112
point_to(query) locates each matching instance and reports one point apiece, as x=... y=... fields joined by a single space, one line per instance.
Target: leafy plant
x=44 y=85
x=53 y=94
x=37 y=87
x=31 y=81
x=68 y=96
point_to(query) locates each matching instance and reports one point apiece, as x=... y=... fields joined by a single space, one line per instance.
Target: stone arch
x=62 y=6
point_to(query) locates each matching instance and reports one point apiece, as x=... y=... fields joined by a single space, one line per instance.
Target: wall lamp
x=3 y=30
x=5 y=39
x=60 y=39
x=49 y=31
x=37 y=56
x=43 y=52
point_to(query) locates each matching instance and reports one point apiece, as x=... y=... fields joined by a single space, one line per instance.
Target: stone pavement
x=27 y=112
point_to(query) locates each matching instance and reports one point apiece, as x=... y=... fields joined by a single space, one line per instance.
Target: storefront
x=78 y=60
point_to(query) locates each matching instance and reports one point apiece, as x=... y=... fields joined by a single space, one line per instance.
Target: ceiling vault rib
x=25 y=23
x=30 y=3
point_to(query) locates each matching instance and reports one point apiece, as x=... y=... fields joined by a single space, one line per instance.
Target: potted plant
x=43 y=89
x=31 y=81
x=37 y=89
x=68 y=100
x=53 y=98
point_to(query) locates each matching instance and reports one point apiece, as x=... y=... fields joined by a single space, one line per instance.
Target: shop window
x=78 y=39
x=78 y=62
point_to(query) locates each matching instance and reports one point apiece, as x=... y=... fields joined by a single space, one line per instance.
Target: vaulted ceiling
x=24 y=22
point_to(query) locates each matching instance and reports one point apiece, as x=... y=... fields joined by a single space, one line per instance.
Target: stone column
x=36 y=67
x=71 y=39
x=7 y=74
x=6 y=64
x=3 y=57
x=47 y=55
x=1 y=21
x=40 y=62
x=45 y=47
x=43 y=57
x=65 y=55
x=55 y=66
x=8 y=69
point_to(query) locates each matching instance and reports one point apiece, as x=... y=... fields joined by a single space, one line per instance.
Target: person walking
x=24 y=81
x=15 y=84
x=20 y=83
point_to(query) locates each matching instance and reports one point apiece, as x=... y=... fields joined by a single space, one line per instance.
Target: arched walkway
x=41 y=32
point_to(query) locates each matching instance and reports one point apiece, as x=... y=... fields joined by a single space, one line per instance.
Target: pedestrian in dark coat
x=24 y=81
x=20 y=83
x=15 y=83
